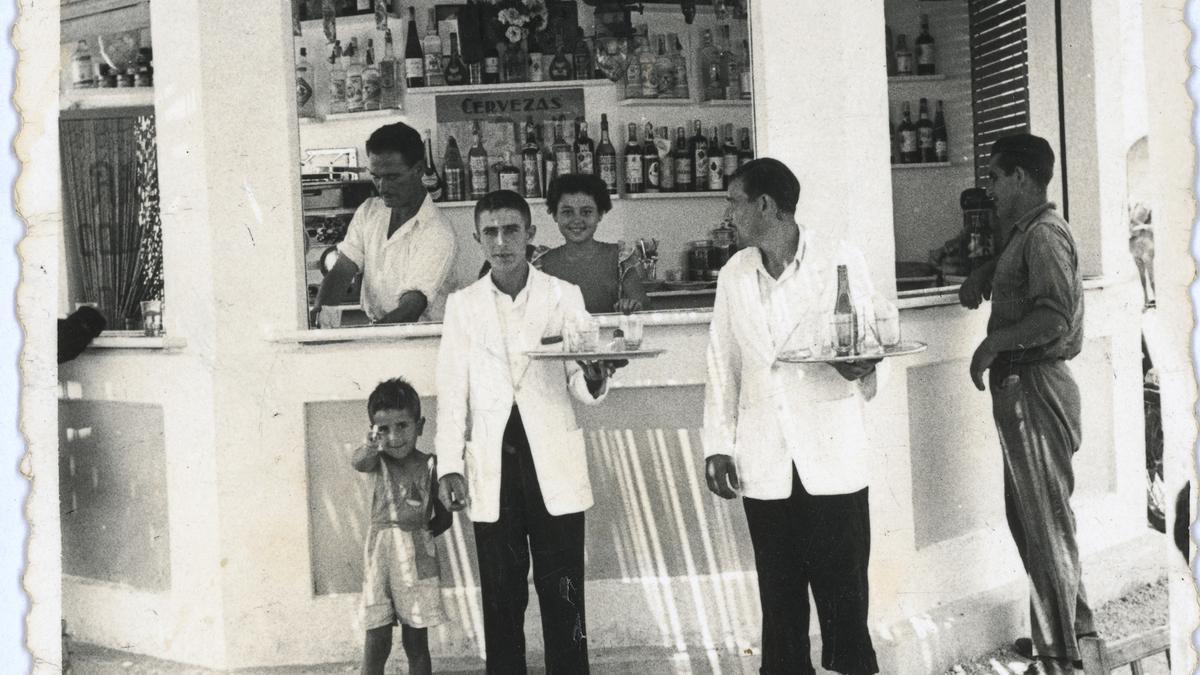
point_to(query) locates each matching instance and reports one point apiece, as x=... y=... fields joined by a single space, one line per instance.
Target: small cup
x=152 y=318
x=586 y=334
x=631 y=331
x=887 y=324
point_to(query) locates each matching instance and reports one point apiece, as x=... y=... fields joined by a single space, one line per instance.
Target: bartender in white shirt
x=400 y=241
x=788 y=437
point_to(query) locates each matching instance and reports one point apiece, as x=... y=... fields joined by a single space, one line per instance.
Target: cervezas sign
x=539 y=103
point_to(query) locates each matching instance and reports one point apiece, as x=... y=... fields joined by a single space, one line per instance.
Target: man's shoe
x=1024 y=648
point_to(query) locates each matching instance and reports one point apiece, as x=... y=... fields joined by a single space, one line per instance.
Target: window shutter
x=999 y=75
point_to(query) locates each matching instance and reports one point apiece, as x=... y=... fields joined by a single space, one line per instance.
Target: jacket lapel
x=538 y=307
x=754 y=315
x=485 y=304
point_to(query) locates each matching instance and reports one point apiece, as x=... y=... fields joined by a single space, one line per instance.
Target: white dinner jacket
x=768 y=415
x=476 y=393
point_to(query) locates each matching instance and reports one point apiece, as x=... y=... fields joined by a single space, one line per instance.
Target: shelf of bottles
x=96 y=83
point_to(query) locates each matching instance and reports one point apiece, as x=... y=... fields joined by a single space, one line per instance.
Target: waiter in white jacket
x=508 y=444
x=789 y=438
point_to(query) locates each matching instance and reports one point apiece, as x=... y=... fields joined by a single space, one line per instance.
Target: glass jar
x=699 y=257
x=724 y=239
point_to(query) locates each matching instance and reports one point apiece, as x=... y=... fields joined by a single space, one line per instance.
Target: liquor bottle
x=888 y=49
x=82 y=74
x=582 y=57
x=745 y=74
x=635 y=182
x=845 y=318
x=354 y=78
x=564 y=154
x=585 y=151
x=474 y=68
x=941 y=140
x=925 y=133
x=909 y=153
x=561 y=67
x=414 y=58
x=745 y=153
x=537 y=60
x=680 y=61
x=454 y=173
x=711 y=86
x=306 y=105
x=516 y=62
x=531 y=163
x=729 y=156
x=372 y=93
x=730 y=73
x=633 y=71
x=651 y=165
x=431 y=46
x=456 y=70
x=337 y=80
x=716 y=162
x=683 y=162
x=606 y=157
x=545 y=158
x=430 y=178
x=510 y=176
x=904 y=57
x=664 y=71
x=666 y=165
x=648 y=64
x=491 y=65
x=388 y=87
x=477 y=165
x=698 y=145
x=926 y=64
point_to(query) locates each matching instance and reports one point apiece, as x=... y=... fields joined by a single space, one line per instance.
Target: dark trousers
x=1038 y=417
x=526 y=530
x=822 y=542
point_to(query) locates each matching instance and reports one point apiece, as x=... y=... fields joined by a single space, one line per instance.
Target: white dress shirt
x=511 y=312
x=419 y=256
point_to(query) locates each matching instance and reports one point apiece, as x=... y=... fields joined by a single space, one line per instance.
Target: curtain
x=150 y=250
x=103 y=189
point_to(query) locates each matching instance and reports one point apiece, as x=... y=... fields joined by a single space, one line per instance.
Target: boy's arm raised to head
x=366 y=458
x=453 y=377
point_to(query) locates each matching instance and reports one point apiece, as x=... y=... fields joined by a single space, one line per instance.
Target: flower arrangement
x=520 y=18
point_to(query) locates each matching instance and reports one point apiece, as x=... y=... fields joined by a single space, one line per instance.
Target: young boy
x=523 y=472
x=401 y=582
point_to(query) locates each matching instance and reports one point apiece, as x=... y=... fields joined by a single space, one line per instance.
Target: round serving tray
x=559 y=355
x=903 y=348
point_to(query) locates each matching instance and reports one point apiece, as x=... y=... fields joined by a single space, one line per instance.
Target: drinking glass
x=151 y=317
x=587 y=334
x=887 y=323
x=631 y=330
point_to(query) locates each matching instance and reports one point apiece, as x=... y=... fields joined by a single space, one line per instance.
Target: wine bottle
x=926 y=62
x=491 y=65
x=845 y=318
x=711 y=86
x=634 y=181
x=354 y=78
x=82 y=74
x=925 y=133
x=904 y=57
x=699 y=149
x=456 y=70
x=909 y=153
x=337 y=80
x=681 y=70
x=633 y=71
x=684 y=174
x=664 y=71
x=454 y=172
x=537 y=60
x=477 y=164
x=563 y=153
x=647 y=62
x=429 y=177
x=606 y=157
x=582 y=57
x=941 y=139
x=651 y=164
x=531 y=160
x=716 y=162
x=545 y=158
x=666 y=164
x=510 y=176
x=730 y=75
x=561 y=67
x=729 y=156
x=431 y=46
x=372 y=94
x=745 y=152
x=745 y=74
x=414 y=58
x=305 y=102
x=388 y=87
x=585 y=151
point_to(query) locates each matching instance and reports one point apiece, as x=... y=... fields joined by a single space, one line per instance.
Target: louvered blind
x=999 y=75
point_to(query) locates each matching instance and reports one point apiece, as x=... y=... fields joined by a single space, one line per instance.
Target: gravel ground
x=1142 y=609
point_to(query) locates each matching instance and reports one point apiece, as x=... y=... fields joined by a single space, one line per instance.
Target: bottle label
x=942 y=148
x=560 y=69
x=454 y=185
x=433 y=64
x=925 y=137
x=583 y=162
x=535 y=67
x=683 y=172
x=729 y=164
x=701 y=159
x=653 y=167
x=925 y=54
x=371 y=90
x=608 y=171
x=649 y=80
x=304 y=91
x=562 y=158
x=583 y=67
x=414 y=67
x=510 y=180
x=716 y=175
x=354 y=92
x=530 y=182
x=81 y=72
x=745 y=83
x=491 y=65
x=479 y=175
x=337 y=90
x=633 y=170
x=908 y=141
x=664 y=79
x=666 y=174
x=904 y=63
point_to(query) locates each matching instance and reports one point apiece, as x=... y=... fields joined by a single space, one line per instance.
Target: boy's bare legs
x=416 y=647
x=377 y=648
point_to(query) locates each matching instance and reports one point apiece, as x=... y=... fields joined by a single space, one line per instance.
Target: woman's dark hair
x=397 y=137
x=1027 y=151
x=394 y=394
x=502 y=199
x=771 y=177
x=578 y=184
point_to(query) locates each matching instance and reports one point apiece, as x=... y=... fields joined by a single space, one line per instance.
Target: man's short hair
x=394 y=394
x=578 y=184
x=503 y=199
x=771 y=177
x=1032 y=153
x=399 y=138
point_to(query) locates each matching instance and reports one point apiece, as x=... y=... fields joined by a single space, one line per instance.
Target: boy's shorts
x=401 y=582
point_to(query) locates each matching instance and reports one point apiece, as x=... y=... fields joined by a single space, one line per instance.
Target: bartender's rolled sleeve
x=1050 y=259
x=429 y=269
x=353 y=246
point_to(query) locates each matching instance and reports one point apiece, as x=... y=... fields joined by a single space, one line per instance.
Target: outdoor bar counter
x=209 y=511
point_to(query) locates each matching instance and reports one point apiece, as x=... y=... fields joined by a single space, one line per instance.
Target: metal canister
x=699 y=257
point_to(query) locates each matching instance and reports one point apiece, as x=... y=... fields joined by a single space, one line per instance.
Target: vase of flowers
x=520 y=19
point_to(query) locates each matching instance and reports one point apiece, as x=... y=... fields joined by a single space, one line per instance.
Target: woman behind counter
x=578 y=202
